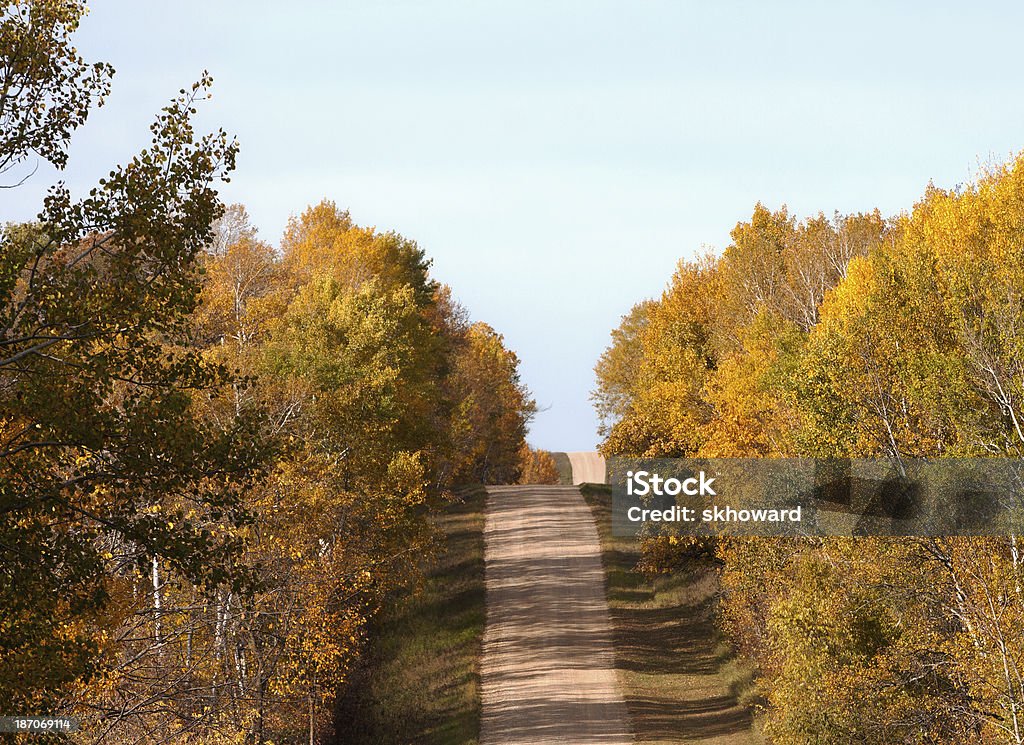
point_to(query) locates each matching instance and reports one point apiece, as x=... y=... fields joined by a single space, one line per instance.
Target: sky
x=556 y=159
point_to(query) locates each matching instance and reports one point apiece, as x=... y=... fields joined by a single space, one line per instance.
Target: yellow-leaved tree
x=843 y=337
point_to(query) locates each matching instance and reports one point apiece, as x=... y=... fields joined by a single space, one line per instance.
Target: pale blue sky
x=557 y=158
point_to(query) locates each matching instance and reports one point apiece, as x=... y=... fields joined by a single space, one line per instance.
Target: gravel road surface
x=548 y=667
x=587 y=468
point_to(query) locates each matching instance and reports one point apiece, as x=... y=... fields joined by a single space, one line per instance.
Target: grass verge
x=419 y=682
x=677 y=673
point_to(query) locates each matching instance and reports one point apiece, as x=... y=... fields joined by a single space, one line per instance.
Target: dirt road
x=548 y=667
x=587 y=468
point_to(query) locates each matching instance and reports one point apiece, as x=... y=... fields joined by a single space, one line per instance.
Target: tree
x=973 y=239
x=537 y=466
x=492 y=411
x=359 y=371
x=104 y=464
x=848 y=337
x=756 y=413
x=46 y=90
x=668 y=411
x=617 y=370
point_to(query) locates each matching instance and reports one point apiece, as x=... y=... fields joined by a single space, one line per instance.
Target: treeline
x=841 y=337
x=217 y=456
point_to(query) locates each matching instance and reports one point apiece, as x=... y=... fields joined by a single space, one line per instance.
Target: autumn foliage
x=851 y=336
x=217 y=456
x=537 y=466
